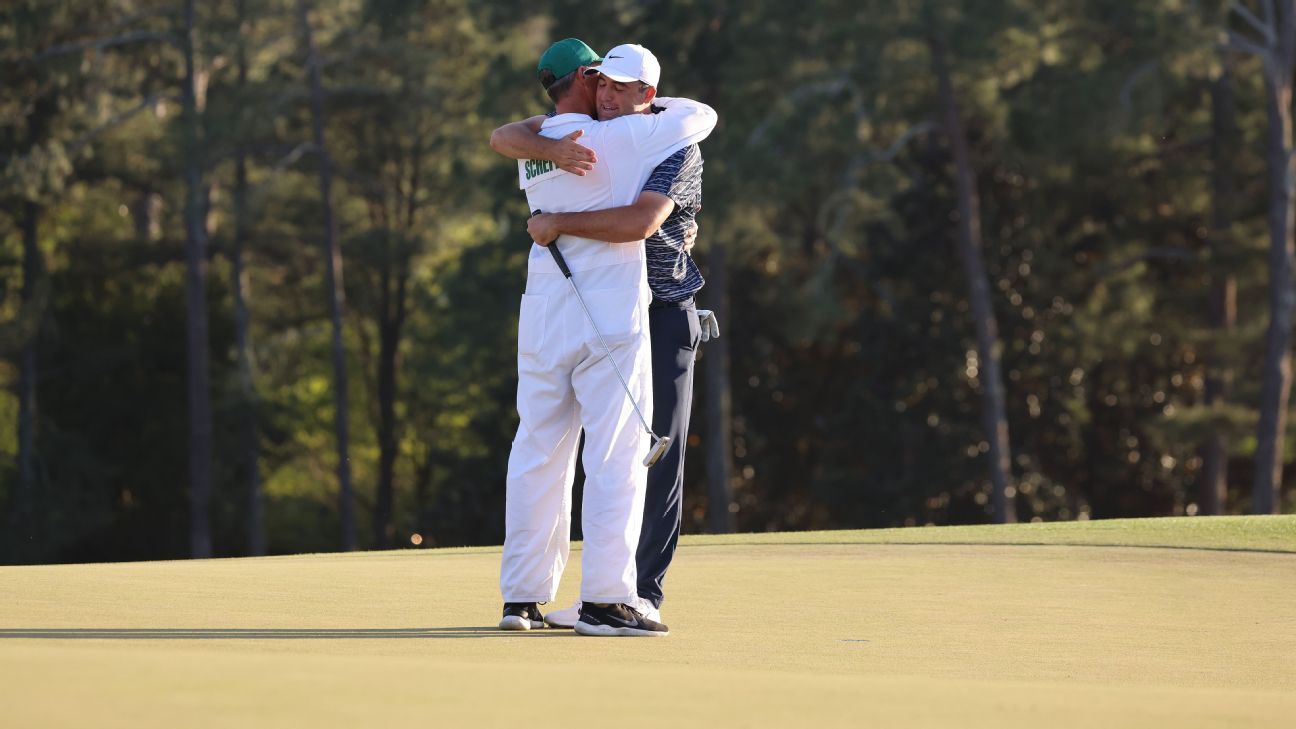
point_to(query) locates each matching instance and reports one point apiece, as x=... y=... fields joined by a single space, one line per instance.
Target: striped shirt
x=672 y=273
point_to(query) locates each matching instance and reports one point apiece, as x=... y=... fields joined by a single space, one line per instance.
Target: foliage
x=854 y=369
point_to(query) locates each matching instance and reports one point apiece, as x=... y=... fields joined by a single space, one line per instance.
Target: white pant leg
x=615 y=442
x=537 y=521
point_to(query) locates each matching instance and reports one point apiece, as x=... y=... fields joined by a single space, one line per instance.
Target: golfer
x=564 y=384
x=665 y=212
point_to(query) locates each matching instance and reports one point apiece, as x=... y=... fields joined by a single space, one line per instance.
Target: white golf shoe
x=647 y=609
x=565 y=618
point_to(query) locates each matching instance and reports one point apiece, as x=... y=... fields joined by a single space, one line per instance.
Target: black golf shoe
x=617 y=620
x=521 y=616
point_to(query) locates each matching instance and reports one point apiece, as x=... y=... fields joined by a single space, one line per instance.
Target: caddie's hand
x=543 y=228
x=708 y=324
x=573 y=157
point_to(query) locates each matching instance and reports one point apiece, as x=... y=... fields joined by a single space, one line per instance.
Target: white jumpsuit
x=564 y=383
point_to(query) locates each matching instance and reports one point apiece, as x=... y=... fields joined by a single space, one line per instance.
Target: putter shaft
x=562 y=264
x=660 y=444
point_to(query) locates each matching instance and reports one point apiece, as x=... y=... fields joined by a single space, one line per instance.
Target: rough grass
x=1077 y=624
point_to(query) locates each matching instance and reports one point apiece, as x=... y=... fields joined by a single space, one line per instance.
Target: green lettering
x=536 y=167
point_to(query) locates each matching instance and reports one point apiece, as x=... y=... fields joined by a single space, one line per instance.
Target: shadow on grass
x=270 y=633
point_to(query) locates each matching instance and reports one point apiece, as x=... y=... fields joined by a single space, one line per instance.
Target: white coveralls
x=564 y=382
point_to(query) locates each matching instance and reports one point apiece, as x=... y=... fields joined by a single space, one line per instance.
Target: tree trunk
x=247 y=389
x=33 y=269
x=147 y=212
x=719 y=405
x=198 y=371
x=391 y=323
x=337 y=297
x=391 y=320
x=1223 y=292
x=993 y=412
x=1275 y=388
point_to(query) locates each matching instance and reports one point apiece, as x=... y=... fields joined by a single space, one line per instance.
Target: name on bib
x=533 y=168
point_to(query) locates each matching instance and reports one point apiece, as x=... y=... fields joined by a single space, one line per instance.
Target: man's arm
x=657 y=136
x=675 y=183
x=614 y=225
x=522 y=140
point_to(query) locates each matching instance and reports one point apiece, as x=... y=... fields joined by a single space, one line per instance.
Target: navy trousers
x=673 y=328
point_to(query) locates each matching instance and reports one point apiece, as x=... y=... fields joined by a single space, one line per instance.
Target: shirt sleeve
x=680 y=179
x=657 y=136
x=664 y=175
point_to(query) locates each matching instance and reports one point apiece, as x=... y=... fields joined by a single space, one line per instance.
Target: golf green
x=1126 y=623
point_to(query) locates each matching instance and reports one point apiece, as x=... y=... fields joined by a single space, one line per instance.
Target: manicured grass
x=1027 y=625
x=1248 y=533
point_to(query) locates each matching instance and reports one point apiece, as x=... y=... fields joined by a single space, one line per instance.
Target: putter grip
x=558 y=258
x=557 y=254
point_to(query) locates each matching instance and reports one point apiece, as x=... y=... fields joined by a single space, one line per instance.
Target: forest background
x=1009 y=260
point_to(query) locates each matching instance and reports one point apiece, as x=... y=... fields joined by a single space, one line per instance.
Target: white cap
x=629 y=62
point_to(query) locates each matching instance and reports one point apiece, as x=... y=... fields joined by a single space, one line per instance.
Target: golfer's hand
x=690 y=235
x=543 y=228
x=708 y=324
x=573 y=157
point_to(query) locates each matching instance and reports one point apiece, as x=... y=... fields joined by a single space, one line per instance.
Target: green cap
x=564 y=57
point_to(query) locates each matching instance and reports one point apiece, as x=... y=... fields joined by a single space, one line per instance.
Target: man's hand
x=690 y=235
x=708 y=324
x=573 y=157
x=543 y=228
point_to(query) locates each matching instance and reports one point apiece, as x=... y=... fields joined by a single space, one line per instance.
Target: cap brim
x=624 y=78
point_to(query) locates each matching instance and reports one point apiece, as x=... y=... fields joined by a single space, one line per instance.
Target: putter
x=660 y=444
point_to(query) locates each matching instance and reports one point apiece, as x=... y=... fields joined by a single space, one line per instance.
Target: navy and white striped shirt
x=672 y=273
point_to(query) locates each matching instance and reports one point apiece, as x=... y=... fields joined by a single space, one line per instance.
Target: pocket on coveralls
x=531 y=324
x=617 y=313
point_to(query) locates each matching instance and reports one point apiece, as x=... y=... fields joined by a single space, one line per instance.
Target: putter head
x=658 y=450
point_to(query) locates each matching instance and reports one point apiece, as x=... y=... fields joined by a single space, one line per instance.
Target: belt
x=681 y=304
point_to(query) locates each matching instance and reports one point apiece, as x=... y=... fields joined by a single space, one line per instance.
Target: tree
x=1276 y=48
x=970 y=252
x=333 y=285
x=54 y=121
x=199 y=369
x=718 y=405
x=239 y=287
x=1223 y=290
